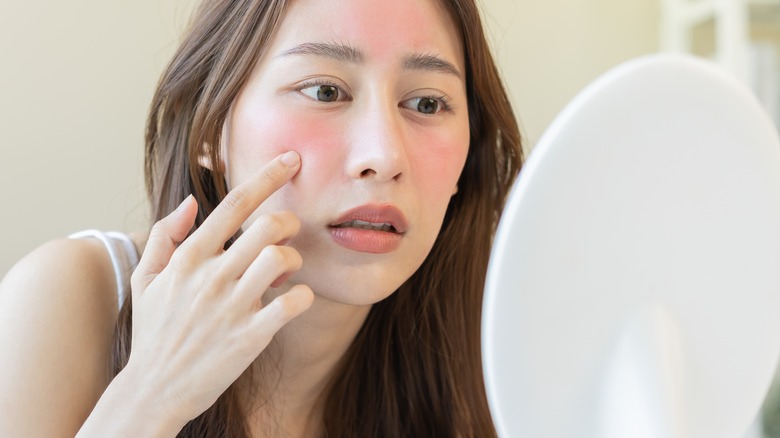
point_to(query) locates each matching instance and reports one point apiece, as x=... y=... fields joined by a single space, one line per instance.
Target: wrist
x=148 y=398
x=131 y=407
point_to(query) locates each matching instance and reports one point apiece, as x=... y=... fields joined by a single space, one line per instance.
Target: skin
x=204 y=315
x=367 y=148
x=371 y=145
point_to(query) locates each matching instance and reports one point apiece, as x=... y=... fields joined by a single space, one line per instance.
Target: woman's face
x=371 y=94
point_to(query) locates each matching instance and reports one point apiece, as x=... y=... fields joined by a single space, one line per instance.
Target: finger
x=164 y=237
x=268 y=229
x=282 y=310
x=241 y=202
x=273 y=262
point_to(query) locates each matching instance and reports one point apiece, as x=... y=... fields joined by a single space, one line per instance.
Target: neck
x=293 y=372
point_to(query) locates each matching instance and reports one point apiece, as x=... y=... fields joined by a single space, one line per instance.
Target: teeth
x=367 y=226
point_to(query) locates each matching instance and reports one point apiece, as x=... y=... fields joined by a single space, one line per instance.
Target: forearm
x=128 y=409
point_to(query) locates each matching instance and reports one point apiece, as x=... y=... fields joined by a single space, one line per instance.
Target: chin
x=352 y=299
x=357 y=288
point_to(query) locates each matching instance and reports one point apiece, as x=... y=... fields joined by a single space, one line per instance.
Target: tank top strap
x=123 y=253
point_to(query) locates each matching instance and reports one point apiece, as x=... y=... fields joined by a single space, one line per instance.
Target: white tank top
x=123 y=254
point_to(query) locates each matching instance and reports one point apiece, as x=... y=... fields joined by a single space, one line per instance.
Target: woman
x=347 y=161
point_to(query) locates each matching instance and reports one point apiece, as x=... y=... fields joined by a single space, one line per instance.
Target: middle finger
x=240 y=203
x=268 y=229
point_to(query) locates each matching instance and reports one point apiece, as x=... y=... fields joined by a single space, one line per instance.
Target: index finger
x=242 y=201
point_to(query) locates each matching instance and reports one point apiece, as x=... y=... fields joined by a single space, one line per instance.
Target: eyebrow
x=339 y=52
x=430 y=62
x=347 y=53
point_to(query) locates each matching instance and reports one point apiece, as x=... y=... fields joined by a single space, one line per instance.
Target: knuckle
x=269 y=224
x=291 y=221
x=140 y=280
x=244 y=346
x=158 y=230
x=212 y=285
x=236 y=200
x=293 y=259
x=273 y=171
x=283 y=307
x=278 y=225
x=274 y=256
x=181 y=260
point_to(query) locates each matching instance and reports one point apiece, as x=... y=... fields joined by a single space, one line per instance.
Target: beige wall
x=77 y=77
x=550 y=49
x=76 y=80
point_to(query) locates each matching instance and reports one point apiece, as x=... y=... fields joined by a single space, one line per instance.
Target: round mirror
x=634 y=284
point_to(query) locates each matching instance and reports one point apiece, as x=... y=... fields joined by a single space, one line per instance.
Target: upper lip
x=375 y=214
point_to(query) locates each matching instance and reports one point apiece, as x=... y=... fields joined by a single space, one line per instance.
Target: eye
x=322 y=92
x=426 y=105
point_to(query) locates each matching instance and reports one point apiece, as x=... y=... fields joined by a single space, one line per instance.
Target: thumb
x=164 y=237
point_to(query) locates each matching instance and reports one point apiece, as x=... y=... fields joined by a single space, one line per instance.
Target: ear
x=204 y=155
x=204 y=159
x=455 y=190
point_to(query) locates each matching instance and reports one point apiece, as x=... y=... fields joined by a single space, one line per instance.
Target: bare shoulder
x=57 y=314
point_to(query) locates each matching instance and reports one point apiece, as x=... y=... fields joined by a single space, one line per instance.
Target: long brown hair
x=414 y=369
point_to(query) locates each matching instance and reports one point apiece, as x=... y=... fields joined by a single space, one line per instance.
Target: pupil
x=327 y=93
x=427 y=105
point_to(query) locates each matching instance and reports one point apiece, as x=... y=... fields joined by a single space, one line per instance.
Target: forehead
x=381 y=29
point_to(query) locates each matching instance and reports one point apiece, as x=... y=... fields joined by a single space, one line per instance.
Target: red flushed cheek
x=257 y=137
x=320 y=142
x=439 y=161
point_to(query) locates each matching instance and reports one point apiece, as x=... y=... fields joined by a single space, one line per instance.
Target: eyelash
x=318 y=83
x=444 y=100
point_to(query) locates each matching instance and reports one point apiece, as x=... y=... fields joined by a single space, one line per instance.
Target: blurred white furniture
x=736 y=23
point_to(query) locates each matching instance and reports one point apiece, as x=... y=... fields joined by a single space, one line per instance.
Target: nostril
x=368 y=172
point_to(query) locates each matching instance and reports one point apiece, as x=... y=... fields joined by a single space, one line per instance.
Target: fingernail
x=291 y=159
x=183 y=202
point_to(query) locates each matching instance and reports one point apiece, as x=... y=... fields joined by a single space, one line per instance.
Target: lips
x=375 y=229
x=373 y=217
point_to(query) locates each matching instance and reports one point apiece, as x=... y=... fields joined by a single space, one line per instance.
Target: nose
x=378 y=150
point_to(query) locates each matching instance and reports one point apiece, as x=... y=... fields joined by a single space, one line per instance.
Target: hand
x=198 y=319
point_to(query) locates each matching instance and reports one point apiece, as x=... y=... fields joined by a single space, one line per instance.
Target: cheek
x=439 y=160
x=259 y=135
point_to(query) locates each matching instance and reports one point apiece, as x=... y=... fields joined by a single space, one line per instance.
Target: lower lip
x=370 y=241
